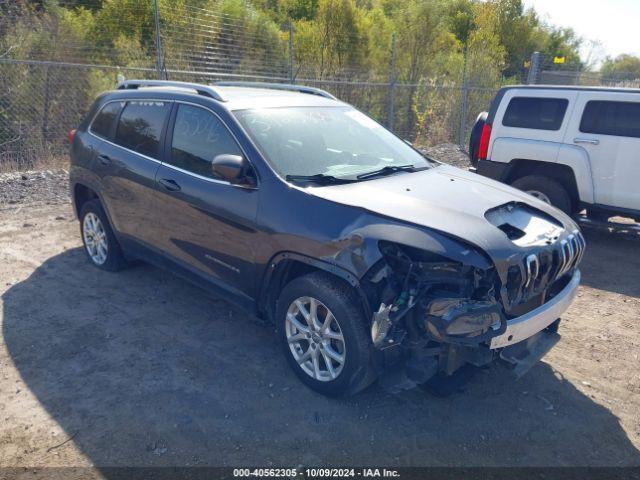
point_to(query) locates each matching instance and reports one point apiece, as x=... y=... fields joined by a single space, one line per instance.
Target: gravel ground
x=34 y=187
x=448 y=153
x=141 y=368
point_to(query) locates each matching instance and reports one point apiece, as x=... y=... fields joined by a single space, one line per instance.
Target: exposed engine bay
x=434 y=314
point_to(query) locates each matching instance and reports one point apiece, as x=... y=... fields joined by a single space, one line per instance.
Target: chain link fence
x=51 y=70
x=42 y=101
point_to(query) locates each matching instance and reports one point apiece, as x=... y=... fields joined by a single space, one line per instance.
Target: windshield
x=336 y=141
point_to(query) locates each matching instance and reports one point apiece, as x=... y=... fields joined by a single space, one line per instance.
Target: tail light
x=483 y=147
x=72 y=134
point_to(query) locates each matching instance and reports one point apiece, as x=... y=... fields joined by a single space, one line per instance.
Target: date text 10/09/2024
x=316 y=472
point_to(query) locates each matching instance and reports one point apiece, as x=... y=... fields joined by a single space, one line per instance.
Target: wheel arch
x=286 y=266
x=81 y=195
x=563 y=174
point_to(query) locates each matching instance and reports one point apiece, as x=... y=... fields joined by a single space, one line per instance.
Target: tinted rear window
x=535 y=112
x=611 y=118
x=140 y=126
x=103 y=122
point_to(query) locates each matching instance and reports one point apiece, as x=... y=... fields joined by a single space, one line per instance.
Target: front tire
x=546 y=189
x=100 y=244
x=323 y=335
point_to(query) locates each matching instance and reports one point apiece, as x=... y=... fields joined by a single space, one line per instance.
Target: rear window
x=103 y=122
x=140 y=126
x=535 y=112
x=611 y=118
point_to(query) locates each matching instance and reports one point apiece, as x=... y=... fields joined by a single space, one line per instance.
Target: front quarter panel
x=341 y=235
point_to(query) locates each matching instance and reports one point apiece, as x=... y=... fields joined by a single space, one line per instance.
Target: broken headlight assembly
x=426 y=296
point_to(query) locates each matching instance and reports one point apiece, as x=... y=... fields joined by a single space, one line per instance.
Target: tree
x=623 y=67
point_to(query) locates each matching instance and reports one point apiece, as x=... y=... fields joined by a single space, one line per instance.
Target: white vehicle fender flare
x=577 y=159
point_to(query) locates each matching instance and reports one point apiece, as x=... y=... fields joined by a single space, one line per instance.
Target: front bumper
x=525 y=326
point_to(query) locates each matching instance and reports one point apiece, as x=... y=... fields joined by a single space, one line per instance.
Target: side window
x=611 y=118
x=535 y=112
x=140 y=126
x=103 y=122
x=198 y=137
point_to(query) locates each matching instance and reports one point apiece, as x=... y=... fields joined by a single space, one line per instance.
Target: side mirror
x=228 y=167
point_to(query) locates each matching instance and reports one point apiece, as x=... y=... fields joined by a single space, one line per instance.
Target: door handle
x=104 y=159
x=169 y=184
x=591 y=141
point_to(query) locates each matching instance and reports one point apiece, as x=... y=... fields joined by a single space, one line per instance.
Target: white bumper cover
x=521 y=328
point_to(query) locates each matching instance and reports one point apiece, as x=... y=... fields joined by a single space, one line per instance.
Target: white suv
x=573 y=147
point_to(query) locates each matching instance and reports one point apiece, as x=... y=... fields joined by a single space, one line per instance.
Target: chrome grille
x=541 y=269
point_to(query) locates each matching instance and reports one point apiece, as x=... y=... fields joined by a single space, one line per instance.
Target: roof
x=573 y=87
x=241 y=95
x=240 y=98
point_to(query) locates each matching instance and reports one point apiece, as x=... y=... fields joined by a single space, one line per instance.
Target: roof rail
x=206 y=90
x=279 y=86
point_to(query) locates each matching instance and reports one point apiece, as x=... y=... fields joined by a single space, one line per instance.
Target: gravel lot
x=141 y=368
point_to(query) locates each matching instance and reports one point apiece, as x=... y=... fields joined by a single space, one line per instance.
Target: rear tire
x=100 y=243
x=314 y=353
x=546 y=189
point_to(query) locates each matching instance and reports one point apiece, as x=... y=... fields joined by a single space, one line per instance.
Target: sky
x=612 y=23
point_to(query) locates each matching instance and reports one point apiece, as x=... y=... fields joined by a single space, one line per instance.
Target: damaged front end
x=433 y=312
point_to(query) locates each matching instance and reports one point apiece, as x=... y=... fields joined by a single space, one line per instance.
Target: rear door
x=205 y=223
x=127 y=161
x=607 y=126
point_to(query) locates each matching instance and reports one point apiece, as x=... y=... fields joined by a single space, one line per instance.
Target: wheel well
x=284 y=272
x=81 y=195
x=561 y=173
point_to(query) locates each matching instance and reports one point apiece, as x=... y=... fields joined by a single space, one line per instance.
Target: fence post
x=578 y=70
x=392 y=84
x=464 y=99
x=162 y=74
x=534 y=69
x=47 y=88
x=291 y=77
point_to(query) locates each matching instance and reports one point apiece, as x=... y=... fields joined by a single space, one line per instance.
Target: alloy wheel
x=95 y=238
x=315 y=339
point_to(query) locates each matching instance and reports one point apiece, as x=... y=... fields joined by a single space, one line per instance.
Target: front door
x=204 y=223
x=607 y=126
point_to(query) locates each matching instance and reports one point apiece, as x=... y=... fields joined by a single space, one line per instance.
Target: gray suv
x=371 y=259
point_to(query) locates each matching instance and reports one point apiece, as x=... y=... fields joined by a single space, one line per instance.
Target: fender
x=81 y=176
x=320 y=264
x=577 y=159
x=264 y=300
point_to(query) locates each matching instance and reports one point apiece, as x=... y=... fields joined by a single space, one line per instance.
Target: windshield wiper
x=318 y=178
x=389 y=169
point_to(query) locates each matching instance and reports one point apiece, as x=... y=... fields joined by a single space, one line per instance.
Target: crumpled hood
x=444 y=198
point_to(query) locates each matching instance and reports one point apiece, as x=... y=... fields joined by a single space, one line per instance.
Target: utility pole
x=291 y=77
x=392 y=85
x=162 y=73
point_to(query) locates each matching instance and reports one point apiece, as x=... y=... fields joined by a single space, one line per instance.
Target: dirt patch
x=141 y=368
